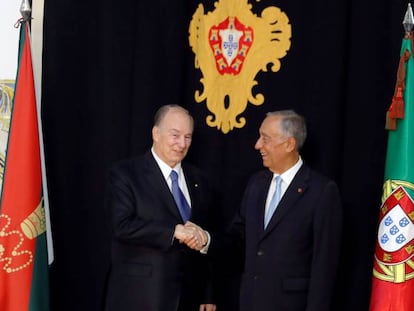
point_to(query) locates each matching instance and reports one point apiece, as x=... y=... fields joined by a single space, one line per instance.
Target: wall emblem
x=231 y=45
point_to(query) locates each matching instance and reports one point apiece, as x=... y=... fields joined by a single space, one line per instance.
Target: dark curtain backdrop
x=108 y=65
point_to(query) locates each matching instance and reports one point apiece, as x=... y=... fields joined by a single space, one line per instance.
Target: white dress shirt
x=166 y=171
x=287 y=178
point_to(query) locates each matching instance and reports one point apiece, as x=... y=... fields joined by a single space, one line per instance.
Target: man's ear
x=155 y=133
x=291 y=144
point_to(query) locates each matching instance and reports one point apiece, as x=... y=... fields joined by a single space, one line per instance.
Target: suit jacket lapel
x=193 y=186
x=262 y=185
x=293 y=193
x=156 y=181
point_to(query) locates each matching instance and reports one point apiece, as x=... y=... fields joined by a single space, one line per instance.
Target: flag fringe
x=396 y=109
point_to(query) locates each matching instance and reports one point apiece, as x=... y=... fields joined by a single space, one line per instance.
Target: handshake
x=192 y=235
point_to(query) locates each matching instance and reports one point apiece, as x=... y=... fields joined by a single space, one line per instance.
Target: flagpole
x=408 y=21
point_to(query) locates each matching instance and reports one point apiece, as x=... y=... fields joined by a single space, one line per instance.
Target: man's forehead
x=270 y=124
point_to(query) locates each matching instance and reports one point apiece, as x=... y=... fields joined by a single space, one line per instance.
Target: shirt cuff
x=204 y=250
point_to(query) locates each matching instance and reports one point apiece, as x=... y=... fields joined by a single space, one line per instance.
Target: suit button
x=260 y=253
x=256 y=277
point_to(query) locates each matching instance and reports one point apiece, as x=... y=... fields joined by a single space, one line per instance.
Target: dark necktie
x=179 y=197
x=275 y=200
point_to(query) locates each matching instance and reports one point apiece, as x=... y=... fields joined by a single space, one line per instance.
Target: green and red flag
x=23 y=247
x=393 y=273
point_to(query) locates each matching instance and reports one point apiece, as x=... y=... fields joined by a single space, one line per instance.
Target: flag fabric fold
x=393 y=273
x=23 y=247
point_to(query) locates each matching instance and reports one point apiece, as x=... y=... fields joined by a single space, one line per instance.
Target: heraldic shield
x=395 y=241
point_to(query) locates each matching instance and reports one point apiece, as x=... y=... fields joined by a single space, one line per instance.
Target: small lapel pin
x=195 y=185
x=300 y=190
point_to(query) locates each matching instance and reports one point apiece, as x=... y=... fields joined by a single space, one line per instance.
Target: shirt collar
x=288 y=175
x=165 y=168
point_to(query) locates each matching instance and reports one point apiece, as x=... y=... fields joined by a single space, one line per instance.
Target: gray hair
x=163 y=110
x=292 y=125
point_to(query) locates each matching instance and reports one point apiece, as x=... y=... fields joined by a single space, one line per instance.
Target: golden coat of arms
x=231 y=45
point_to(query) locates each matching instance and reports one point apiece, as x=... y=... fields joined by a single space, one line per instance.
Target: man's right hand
x=192 y=236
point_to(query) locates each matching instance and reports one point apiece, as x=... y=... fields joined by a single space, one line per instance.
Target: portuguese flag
x=23 y=249
x=393 y=273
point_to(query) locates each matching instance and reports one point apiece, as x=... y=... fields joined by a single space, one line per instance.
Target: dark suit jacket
x=151 y=271
x=292 y=264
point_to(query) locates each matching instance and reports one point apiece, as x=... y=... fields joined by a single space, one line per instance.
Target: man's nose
x=258 y=144
x=181 y=141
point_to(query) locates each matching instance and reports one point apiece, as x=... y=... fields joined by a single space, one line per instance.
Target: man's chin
x=265 y=163
x=179 y=158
